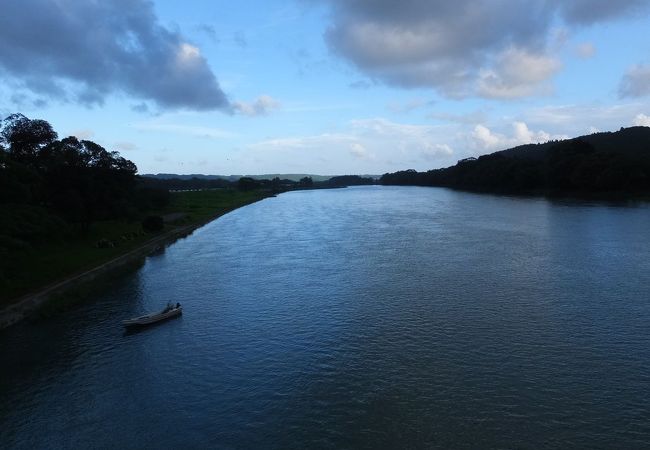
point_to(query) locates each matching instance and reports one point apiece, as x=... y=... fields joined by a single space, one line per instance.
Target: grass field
x=33 y=269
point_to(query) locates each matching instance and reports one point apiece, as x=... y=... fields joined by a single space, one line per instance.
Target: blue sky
x=323 y=86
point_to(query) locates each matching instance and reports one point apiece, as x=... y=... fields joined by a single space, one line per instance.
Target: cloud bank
x=84 y=51
x=485 y=139
x=488 y=48
x=641 y=120
x=374 y=145
x=262 y=106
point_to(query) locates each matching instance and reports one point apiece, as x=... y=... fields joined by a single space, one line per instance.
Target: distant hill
x=270 y=176
x=174 y=176
x=612 y=162
x=290 y=176
x=633 y=142
x=273 y=182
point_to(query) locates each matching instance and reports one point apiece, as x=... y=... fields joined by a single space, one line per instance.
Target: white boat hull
x=150 y=319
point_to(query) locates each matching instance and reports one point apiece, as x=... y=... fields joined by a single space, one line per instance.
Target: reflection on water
x=365 y=317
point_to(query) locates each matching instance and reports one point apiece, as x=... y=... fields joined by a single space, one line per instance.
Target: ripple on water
x=367 y=317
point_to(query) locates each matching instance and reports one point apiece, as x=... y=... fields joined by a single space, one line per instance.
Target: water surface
x=370 y=317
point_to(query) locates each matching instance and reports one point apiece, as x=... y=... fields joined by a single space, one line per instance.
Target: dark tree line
x=349 y=180
x=50 y=186
x=185 y=184
x=597 y=164
x=248 y=183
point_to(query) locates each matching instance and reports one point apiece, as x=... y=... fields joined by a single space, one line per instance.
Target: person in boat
x=178 y=305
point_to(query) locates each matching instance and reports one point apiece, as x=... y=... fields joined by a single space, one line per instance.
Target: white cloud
x=86 y=51
x=641 y=120
x=517 y=73
x=83 y=134
x=434 y=151
x=360 y=151
x=408 y=106
x=585 y=50
x=263 y=105
x=378 y=145
x=304 y=142
x=485 y=139
x=188 y=54
x=636 y=81
x=188 y=130
x=125 y=146
x=576 y=119
x=420 y=140
x=361 y=146
x=461 y=48
x=468 y=118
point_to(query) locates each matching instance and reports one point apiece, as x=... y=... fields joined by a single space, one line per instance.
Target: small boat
x=149 y=319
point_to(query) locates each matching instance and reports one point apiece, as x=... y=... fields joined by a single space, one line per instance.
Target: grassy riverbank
x=33 y=269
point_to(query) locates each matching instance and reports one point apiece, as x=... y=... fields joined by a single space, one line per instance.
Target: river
x=368 y=317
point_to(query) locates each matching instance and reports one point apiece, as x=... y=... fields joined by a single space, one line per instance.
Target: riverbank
x=196 y=209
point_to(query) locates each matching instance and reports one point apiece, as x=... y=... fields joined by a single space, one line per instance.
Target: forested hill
x=597 y=163
x=632 y=141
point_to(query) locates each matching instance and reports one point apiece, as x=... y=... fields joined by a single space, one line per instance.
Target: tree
x=85 y=182
x=248 y=183
x=17 y=181
x=25 y=137
x=79 y=180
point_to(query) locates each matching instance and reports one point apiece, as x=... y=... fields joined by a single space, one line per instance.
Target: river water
x=369 y=317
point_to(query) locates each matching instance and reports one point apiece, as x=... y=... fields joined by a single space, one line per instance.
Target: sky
x=326 y=87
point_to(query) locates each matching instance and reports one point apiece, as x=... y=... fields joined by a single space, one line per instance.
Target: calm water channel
x=371 y=317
